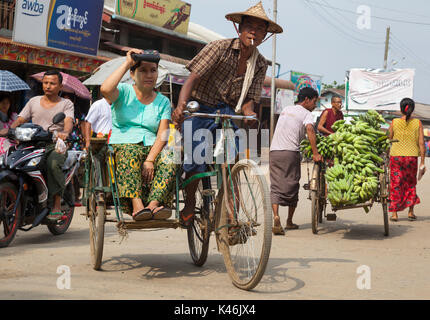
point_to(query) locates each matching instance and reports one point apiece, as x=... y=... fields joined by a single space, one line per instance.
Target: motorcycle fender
x=8 y=174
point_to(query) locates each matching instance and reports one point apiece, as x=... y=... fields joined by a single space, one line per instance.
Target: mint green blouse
x=135 y=122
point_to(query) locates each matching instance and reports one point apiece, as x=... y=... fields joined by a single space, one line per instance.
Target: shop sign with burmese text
x=169 y=14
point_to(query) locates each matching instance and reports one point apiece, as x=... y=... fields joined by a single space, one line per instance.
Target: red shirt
x=331 y=118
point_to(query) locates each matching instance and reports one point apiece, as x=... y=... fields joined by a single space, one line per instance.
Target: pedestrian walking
x=284 y=157
x=404 y=160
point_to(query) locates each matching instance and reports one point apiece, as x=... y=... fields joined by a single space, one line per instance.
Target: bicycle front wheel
x=244 y=224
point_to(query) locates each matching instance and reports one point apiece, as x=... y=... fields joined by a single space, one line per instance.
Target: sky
x=328 y=37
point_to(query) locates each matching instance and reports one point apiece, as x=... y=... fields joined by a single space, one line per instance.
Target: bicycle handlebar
x=215 y=115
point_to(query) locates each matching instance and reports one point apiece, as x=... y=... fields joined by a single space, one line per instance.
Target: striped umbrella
x=11 y=82
x=70 y=84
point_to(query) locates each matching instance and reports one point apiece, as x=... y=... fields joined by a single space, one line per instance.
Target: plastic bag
x=60 y=146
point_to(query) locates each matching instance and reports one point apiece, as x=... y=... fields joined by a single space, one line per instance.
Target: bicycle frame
x=220 y=170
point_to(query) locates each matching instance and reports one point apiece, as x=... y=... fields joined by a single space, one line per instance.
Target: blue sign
x=74 y=25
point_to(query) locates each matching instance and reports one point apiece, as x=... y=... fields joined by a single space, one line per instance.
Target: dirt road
x=349 y=259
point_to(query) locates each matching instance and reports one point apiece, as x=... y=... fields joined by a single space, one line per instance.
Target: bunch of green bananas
x=356 y=151
x=371 y=117
x=325 y=149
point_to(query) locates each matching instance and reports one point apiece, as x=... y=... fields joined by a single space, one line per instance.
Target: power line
x=422 y=67
x=348 y=22
x=393 y=10
x=406 y=48
x=336 y=27
x=376 y=17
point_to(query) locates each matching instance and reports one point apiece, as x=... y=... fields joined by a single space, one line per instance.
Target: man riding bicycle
x=226 y=76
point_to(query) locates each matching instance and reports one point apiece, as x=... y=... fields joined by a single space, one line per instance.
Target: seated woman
x=140 y=120
x=5 y=107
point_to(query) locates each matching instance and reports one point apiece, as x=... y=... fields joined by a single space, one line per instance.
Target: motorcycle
x=23 y=187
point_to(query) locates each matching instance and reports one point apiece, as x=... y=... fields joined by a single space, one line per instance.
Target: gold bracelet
x=149 y=161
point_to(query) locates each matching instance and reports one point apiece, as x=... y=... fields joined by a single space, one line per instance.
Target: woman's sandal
x=394 y=219
x=162 y=214
x=278 y=231
x=412 y=217
x=142 y=215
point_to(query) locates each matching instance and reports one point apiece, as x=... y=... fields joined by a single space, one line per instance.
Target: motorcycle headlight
x=34 y=162
x=24 y=134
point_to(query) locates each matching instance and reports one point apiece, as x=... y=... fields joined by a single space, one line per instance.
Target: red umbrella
x=70 y=84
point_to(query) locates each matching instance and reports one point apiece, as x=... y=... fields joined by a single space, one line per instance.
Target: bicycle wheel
x=245 y=240
x=8 y=222
x=384 y=199
x=199 y=230
x=315 y=210
x=96 y=213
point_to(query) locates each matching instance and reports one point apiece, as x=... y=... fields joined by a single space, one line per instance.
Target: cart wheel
x=384 y=200
x=316 y=211
x=245 y=241
x=199 y=230
x=96 y=213
x=317 y=197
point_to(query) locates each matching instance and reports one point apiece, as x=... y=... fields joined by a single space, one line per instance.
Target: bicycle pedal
x=331 y=217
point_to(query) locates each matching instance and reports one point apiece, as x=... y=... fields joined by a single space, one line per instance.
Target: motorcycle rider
x=41 y=110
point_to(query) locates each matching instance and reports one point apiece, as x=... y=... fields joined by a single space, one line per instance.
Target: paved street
x=157 y=265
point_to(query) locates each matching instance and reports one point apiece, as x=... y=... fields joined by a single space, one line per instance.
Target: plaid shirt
x=216 y=65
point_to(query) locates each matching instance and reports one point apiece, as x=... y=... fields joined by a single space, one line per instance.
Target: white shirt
x=291 y=128
x=100 y=116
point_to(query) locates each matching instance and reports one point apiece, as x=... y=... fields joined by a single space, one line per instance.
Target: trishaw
x=232 y=201
x=318 y=195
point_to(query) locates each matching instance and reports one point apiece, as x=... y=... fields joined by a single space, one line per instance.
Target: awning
x=176 y=72
x=24 y=53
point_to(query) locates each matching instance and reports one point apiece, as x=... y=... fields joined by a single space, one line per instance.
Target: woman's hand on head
x=129 y=59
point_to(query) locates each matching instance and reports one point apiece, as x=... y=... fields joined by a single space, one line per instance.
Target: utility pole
x=273 y=89
x=387 y=41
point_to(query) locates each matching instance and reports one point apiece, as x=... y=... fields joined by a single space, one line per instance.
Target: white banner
x=379 y=90
x=284 y=98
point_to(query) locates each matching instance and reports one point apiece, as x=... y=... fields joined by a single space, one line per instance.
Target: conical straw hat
x=256 y=11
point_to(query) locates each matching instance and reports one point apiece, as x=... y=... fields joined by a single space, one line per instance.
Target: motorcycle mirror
x=3 y=117
x=58 y=118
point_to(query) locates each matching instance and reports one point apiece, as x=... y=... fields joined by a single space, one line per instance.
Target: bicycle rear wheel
x=246 y=239
x=199 y=230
